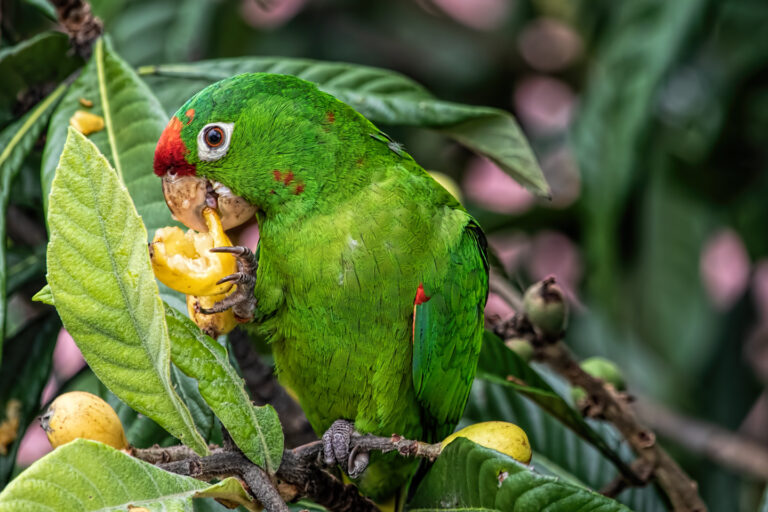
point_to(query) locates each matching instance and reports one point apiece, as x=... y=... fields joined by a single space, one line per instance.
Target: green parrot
x=371 y=278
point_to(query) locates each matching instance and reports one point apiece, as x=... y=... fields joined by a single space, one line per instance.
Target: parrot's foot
x=242 y=300
x=336 y=441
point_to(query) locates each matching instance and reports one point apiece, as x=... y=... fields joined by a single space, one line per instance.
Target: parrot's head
x=253 y=141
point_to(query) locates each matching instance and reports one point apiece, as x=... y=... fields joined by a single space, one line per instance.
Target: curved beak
x=186 y=196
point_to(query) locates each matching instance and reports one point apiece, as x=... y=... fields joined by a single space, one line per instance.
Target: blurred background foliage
x=649 y=118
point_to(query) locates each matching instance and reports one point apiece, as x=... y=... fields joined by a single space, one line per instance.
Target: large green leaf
x=89 y=476
x=15 y=143
x=23 y=375
x=382 y=96
x=104 y=289
x=468 y=477
x=133 y=122
x=39 y=61
x=255 y=430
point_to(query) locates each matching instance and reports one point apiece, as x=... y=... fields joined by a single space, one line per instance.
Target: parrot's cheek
x=186 y=196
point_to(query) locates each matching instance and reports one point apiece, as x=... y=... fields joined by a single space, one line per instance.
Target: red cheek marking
x=170 y=152
x=330 y=117
x=278 y=175
x=421 y=297
x=299 y=189
x=190 y=115
x=288 y=177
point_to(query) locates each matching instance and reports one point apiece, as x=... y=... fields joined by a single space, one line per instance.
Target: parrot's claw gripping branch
x=242 y=301
x=300 y=475
x=338 y=449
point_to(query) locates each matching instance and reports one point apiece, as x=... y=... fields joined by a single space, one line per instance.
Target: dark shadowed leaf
x=40 y=62
x=16 y=141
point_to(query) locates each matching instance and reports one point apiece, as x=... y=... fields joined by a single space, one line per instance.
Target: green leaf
x=15 y=143
x=44 y=295
x=133 y=122
x=467 y=476
x=104 y=289
x=24 y=264
x=255 y=430
x=45 y=8
x=89 y=476
x=39 y=61
x=23 y=375
x=382 y=96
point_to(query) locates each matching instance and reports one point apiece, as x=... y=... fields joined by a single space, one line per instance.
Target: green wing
x=448 y=332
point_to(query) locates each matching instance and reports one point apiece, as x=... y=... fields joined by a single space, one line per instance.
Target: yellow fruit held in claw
x=213 y=325
x=81 y=415
x=183 y=262
x=501 y=436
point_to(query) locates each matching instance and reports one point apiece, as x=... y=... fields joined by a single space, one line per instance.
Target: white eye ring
x=208 y=151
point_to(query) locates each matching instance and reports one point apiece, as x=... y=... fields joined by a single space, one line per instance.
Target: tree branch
x=80 y=23
x=716 y=443
x=301 y=474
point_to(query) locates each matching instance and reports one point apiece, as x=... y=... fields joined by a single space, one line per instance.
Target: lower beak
x=186 y=196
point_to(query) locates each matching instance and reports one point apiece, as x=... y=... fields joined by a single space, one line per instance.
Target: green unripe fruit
x=545 y=307
x=601 y=368
x=521 y=347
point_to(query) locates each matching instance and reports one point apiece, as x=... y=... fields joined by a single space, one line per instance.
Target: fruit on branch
x=545 y=307
x=183 y=261
x=600 y=368
x=521 y=347
x=81 y=415
x=501 y=436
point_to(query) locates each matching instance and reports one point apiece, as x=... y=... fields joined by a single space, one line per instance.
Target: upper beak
x=186 y=196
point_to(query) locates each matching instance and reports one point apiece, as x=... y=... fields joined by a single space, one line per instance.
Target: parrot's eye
x=214 y=136
x=213 y=141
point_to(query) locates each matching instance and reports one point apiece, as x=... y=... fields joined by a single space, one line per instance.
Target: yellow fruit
x=213 y=325
x=81 y=415
x=183 y=262
x=501 y=436
x=86 y=123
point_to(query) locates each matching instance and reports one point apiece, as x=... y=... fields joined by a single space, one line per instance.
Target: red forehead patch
x=170 y=151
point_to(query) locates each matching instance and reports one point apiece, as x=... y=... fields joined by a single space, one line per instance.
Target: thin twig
x=716 y=443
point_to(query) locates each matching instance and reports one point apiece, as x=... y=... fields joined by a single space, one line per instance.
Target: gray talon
x=336 y=441
x=242 y=301
x=358 y=461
